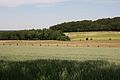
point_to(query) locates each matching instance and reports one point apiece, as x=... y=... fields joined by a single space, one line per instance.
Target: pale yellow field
x=22 y=53
x=76 y=36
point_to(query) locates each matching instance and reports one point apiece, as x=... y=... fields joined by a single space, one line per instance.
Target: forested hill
x=105 y=24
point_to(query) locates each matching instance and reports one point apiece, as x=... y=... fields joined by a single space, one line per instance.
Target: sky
x=38 y=14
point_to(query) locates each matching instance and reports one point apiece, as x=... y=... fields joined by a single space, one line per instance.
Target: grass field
x=22 y=53
x=97 y=59
x=94 y=35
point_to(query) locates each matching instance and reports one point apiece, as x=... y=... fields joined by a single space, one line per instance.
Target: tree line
x=105 y=24
x=44 y=34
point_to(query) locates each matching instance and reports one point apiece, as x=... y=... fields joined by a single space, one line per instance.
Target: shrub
x=110 y=39
x=91 y=39
x=87 y=39
x=63 y=38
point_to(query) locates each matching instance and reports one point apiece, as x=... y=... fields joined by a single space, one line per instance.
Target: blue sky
x=29 y=14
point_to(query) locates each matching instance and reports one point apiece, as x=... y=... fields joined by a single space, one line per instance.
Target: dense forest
x=105 y=24
x=44 y=34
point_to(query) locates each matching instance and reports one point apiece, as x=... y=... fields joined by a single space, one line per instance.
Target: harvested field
x=77 y=36
x=90 y=43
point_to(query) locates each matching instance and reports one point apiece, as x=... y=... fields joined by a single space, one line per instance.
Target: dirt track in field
x=92 y=43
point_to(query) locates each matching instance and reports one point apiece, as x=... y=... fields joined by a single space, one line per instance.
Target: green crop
x=59 y=70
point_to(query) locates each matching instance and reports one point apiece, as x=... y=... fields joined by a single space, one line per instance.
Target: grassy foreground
x=23 y=53
x=59 y=70
x=59 y=63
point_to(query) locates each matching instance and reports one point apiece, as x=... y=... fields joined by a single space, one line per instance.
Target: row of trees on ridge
x=105 y=24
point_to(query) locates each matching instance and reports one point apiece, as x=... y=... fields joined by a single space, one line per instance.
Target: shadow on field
x=59 y=70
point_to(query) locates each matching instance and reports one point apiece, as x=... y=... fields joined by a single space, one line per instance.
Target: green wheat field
x=22 y=53
x=59 y=63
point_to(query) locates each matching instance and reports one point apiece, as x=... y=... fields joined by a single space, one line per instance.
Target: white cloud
x=102 y=1
x=13 y=3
